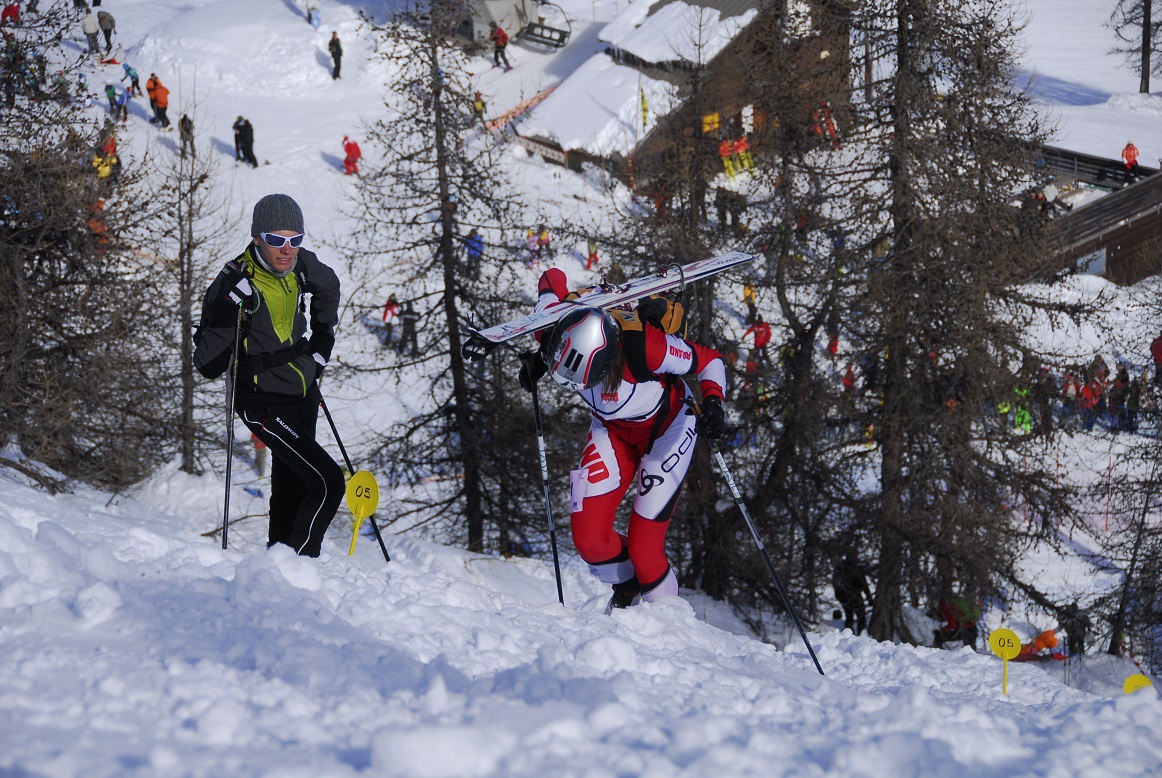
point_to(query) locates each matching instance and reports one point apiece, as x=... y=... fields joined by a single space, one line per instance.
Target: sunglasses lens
x=278 y=241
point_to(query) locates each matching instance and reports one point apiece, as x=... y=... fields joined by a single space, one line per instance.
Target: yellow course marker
x=1136 y=682
x=1006 y=645
x=362 y=500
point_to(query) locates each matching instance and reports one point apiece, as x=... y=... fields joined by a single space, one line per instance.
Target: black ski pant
x=306 y=485
x=338 y=64
x=853 y=611
x=248 y=154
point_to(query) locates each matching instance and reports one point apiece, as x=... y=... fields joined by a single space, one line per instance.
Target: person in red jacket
x=628 y=370
x=960 y=616
x=1156 y=354
x=762 y=336
x=499 y=39
x=1089 y=400
x=390 y=315
x=351 y=161
x=11 y=14
x=1130 y=155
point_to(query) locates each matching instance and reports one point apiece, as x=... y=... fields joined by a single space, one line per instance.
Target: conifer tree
x=942 y=309
x=430 y=176
x=187 y=227
x=84 y=386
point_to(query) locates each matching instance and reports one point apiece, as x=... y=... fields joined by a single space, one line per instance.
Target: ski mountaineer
x=628 y=371
x=277 y=394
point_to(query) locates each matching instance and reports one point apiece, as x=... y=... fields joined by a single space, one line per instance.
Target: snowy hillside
x=131 y=644
x=134 y=646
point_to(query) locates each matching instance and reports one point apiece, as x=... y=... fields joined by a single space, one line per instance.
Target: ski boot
x=624 y=595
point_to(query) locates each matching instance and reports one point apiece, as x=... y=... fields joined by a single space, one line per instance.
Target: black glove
x=236 y=290
x=251 y=365
x=256 y=364
x=532 y=368
x=712 y=421
x=652 y=309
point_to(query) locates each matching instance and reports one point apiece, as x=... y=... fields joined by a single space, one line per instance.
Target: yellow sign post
x=362 y=500
x=1006 y=645
x=1136 y=682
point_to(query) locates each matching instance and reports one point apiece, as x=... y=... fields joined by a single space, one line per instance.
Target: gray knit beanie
x=276 y=212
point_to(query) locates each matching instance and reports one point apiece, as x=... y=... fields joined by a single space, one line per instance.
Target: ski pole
x=351 y=469
x=758 y=541
x=230 y=425
x=527 y=358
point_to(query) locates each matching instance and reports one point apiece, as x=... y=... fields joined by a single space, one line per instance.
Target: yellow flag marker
x=1136 y=682
x=1006 y=645
x=362 y=500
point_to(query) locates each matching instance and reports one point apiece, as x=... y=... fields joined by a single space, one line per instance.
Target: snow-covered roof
x=598 y=108
x=673 y=30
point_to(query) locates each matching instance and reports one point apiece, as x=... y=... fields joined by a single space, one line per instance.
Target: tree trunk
x=1118 y=623
x=188 y=428
x=888 y=605
x=1147 y=40
x=465 y=424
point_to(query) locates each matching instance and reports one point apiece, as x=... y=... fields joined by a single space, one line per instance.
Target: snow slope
x=132 y=644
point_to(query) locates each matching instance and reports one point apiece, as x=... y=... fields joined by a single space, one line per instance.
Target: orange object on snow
x=1040 y=647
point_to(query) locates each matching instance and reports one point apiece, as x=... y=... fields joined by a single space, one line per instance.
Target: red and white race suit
x=641 y=434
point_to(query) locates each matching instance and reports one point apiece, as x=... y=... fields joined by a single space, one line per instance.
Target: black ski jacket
x=278 y=326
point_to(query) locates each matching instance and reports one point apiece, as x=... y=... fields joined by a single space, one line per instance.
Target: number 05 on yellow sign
x=1006 y=645
x=362 y=500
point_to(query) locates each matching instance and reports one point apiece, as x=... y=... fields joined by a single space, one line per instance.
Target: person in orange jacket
x=151 y=90
x=99 y=228
x=1044 y=646
x=161 y=97
x=351 y=161
x=1130 y=156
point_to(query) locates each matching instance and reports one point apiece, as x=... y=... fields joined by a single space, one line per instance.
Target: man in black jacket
x=336 y=49
x=186 y=130
x=238 y=139
x=244 y=132
x=277 y=395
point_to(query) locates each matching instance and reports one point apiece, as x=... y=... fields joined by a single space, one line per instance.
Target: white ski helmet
x=583 y=348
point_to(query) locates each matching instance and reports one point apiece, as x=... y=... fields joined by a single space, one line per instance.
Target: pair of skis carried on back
x=482 y=342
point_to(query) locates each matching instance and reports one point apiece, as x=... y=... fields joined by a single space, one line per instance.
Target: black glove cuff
x=532 y=369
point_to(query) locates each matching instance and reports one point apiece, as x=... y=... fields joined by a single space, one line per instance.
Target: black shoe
x=623 y=595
